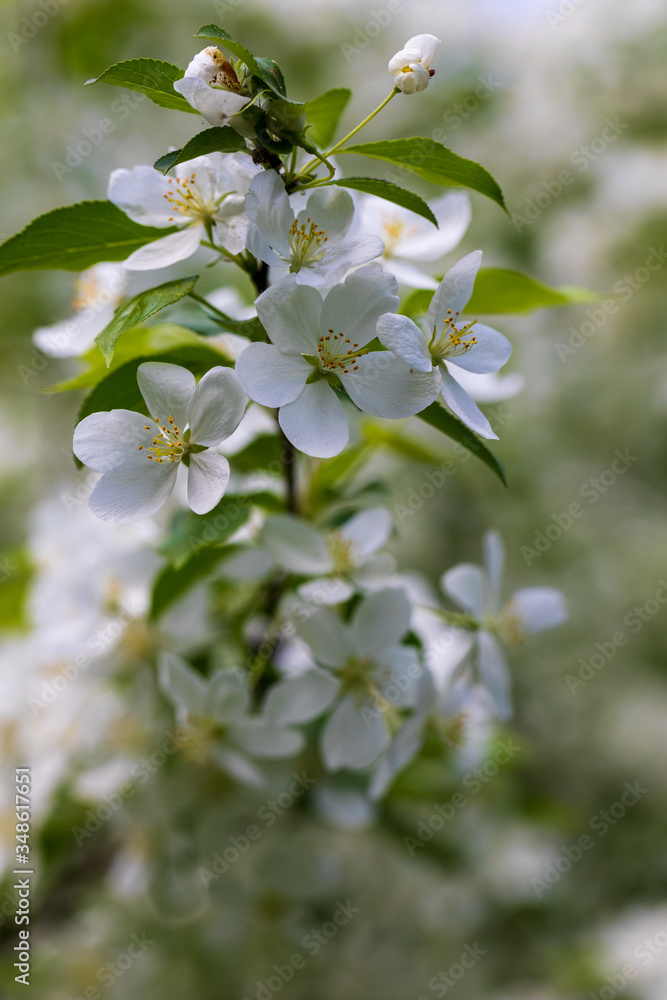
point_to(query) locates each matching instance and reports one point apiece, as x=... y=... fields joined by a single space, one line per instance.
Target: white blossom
x=477 y=591
x=314 y=244
x=411 y=67
x=215 y=714
x=472 y=346
x=410 y=240
x=319 y=347
x=205 y=199
x=211 y=86
x=139 y=460
x=342 y=560
x=363 y=668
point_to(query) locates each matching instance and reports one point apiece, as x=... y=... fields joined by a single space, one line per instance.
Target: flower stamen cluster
x=342 y=552
x=328 y=350
x=307 y=244
x=395 y=229
x=168 y=445
x=452 y=341
x=359 y=677
x=187 y=199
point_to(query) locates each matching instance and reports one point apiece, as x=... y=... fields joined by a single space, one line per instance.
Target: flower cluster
x=357 y=317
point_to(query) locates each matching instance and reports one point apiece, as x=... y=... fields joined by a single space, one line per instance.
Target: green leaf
x=152 y=77
x=75 y=238
x=265 y=70
x=212 y=140
x=171 y=583
x=163 y=342
x=250 y=328
x=432 y=162
x=498 y=291
x=390 y=192
x=192 y=533
x=140 y=308
x=272 y=71
x=323 y=114
x=444 y=421
x=262 y=453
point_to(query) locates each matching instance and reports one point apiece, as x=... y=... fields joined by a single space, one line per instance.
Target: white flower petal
x=315 y=422
x=271 y=377
x=404 y=746
x=291 y=315
x=338 y=260
x=380 y=622
x=539 y=608
x=490 y=388
x=228 y=696
x=237 y=172
x=489 y=354
x=269 y=208
x=453 y=213
x=301 y=698
x=216 y=407
x=454 y=290
x=414 y=80
x=258 y=246
x=230 y=226
x=326 y=590
x=419 y=48
x=408 y=274
x=133 y=490
x=385 y=387
x=167 y=390
x=368 y=530
x=331 y=209
x=185 y=688
x=461 y=404
x=215 y=105
x=74 y=335
x=468 y=586
x=374 y=574
x=327 y=637
x=404 y=338
x=238 y=765
x=208 y=476
x=296 y=545
x=355 y=306
x=105 y=440
x=401 y=686
x=206 y=64
x=140 y=193
x=263 y=738
x=494 y=673
x=169 y=250
x=352 y=739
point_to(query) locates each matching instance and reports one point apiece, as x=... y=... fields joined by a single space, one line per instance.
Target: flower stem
x=311 y=163
x=288 y=456
x=334 y=149
x=209 y=305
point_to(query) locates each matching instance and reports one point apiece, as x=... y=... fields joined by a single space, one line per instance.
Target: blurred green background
x=529 y=90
